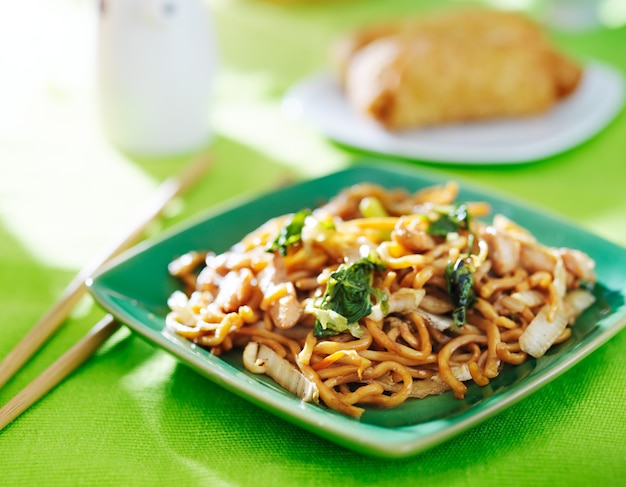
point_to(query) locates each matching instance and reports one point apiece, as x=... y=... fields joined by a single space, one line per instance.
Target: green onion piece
x=371 y=207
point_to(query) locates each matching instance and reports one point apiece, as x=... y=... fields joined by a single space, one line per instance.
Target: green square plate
x=135 y=288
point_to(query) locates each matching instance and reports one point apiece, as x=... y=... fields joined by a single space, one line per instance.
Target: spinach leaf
x=348 y=297
x=451 y=219
x=460 y=274
x=290 y=234
x=460 y=284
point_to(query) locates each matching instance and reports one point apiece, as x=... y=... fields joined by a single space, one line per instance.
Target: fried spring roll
x=453 y=67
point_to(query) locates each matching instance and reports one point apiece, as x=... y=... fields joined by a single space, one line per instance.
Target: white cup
x=156 y=67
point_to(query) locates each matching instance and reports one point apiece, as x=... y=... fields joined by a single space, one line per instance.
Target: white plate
x=319 y=101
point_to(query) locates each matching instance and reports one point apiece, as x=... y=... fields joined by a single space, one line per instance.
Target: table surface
x=134 y=415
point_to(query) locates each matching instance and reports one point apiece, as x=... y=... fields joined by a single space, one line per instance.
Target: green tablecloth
x=133 y=415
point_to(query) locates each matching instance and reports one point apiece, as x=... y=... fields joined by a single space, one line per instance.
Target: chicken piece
x=579 y=264
x=235 y=289
x=504 y=251
x=411 y=234
x=279 y=294
x=536 y=258
x=286 y=311
x=459 y=66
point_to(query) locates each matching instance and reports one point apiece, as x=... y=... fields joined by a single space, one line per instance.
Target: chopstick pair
x=101 y=331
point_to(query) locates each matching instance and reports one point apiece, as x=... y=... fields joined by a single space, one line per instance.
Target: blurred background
x=51 y=130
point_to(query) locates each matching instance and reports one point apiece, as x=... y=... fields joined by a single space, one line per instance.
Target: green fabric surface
x=133 y=415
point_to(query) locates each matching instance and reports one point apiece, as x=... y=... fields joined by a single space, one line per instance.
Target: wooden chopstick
x=59 y=370
x=55 y=317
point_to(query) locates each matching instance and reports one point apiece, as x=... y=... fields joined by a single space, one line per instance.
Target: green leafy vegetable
x=451 y=219
x=348 y=298
x=460 y=285
x=459 y=274
x=291 y=234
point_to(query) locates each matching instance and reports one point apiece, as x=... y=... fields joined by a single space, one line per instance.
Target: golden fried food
x=451 y=67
